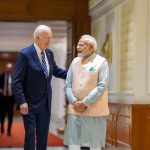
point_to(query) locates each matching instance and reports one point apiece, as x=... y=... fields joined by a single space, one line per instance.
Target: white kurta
x=87 y=130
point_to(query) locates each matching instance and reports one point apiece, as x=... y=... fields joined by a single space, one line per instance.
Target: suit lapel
x=37 y=61
x=49 y=61
x=36 y=58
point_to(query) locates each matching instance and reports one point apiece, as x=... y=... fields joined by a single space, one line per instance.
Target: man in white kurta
x=87 y=93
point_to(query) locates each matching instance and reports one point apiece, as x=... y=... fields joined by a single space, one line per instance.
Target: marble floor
x=49 y=148
x=53 y=128
x=61 y=148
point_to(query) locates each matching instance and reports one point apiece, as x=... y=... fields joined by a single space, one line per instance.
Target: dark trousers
x=36 y=126
x=7 y=104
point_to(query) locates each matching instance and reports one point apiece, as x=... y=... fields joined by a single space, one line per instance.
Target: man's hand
x=79 y=106
x=24 y=109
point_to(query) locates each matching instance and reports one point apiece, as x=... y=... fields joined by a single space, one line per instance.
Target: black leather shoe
x=85 y=148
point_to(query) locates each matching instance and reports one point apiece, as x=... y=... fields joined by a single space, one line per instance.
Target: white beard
x=81 y=55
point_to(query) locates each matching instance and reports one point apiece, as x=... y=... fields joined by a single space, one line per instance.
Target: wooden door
x=141 y=127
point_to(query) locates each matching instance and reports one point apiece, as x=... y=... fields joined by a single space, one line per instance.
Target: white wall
x=129 y=23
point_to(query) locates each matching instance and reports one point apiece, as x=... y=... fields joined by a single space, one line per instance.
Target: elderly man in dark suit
x=34 y=68
x=6 y=98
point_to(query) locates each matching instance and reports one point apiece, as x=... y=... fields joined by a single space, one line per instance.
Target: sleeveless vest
x=85 y=79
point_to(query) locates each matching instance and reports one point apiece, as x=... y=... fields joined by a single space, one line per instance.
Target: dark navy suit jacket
x=29 y=81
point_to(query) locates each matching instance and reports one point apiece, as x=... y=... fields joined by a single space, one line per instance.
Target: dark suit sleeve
x=18 y=78
x=58 y=72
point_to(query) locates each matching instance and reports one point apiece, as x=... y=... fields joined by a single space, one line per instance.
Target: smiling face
x=84 y=49
x=43 y=40
x=42 y=36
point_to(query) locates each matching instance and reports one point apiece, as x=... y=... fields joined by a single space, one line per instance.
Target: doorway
x=17 y=35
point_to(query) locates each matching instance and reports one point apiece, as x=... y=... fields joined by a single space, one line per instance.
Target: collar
x=37 y=48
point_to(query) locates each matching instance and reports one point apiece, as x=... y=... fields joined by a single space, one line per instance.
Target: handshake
x=79 y=106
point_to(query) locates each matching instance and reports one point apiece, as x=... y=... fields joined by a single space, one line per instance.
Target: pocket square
x=92 y=69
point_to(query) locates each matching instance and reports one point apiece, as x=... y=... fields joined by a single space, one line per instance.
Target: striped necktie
x=44 y=64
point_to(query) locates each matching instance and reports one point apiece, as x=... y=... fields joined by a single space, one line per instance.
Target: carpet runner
x=17 y=137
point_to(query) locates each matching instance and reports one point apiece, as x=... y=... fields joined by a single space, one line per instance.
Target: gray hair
x=90 y=40
x=39 y=29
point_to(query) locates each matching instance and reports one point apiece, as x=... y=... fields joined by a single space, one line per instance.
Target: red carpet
x=17 y=137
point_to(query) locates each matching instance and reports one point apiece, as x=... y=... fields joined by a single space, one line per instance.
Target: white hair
x=39 y=29
x=90 y=40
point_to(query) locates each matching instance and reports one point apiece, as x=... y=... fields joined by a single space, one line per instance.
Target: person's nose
x=78 y=49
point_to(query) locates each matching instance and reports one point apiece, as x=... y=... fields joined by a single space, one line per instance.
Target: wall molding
x=103 y=7
x=93 y=3
x=127 y=97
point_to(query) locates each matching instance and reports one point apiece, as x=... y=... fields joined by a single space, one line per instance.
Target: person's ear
x=90 y=47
